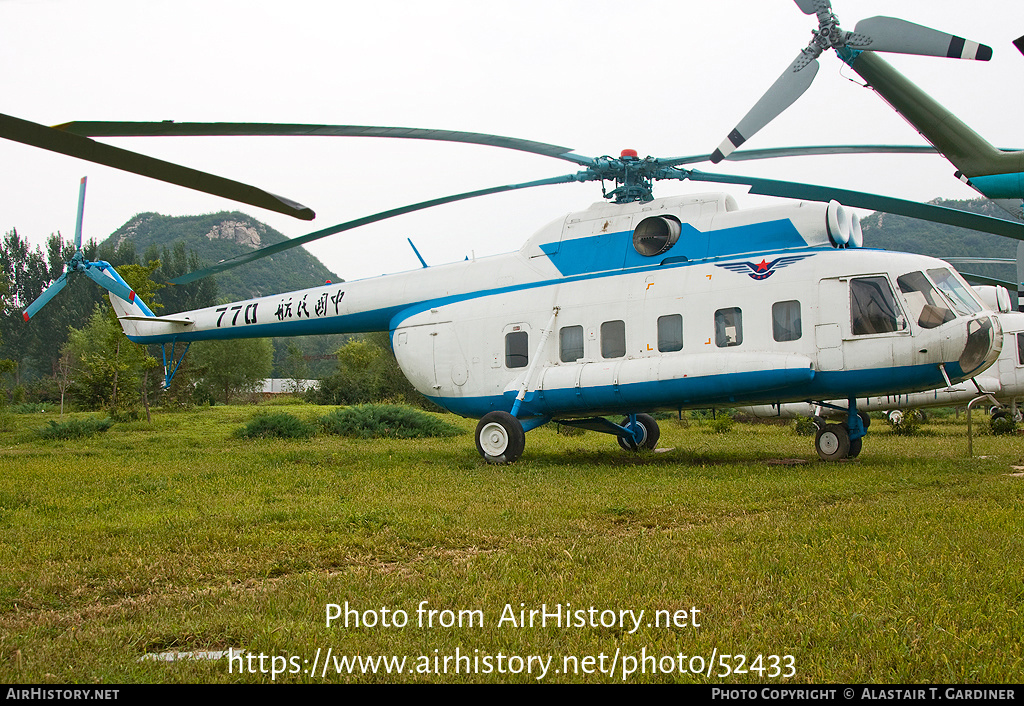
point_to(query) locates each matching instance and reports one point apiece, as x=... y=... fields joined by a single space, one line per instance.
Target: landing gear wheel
x=500 y=438
x=832 y=442
x=895 y=417
x=864 y=419
x=649 y=434
x=855 y=445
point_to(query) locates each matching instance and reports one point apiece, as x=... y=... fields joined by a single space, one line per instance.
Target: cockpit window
x=924 y=304
x=873 y=307
x=949 y=284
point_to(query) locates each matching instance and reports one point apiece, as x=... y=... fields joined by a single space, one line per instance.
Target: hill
x=219 y=236
x=891 y=232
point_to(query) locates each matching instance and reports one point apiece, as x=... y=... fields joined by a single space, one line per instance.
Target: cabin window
x=517 y=353
x=613 y=339
x=570 y=344
x=873 y=307
x=670 y=333
x=786 y=323
x=1020 y=349
x=924 y=304
x=728 y=327
x=950 y=285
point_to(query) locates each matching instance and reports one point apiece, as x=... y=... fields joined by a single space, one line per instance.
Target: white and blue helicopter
x=634 y=305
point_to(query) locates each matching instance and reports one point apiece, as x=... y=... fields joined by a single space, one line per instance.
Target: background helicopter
x=994 y=173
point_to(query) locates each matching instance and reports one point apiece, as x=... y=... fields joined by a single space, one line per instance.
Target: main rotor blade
x=1019 y=43
x=47 y=295
x=48 y=138
x=981 y=279
x=792 y=84
x=810 y=7
x=366 y=220
x=874 y=202
x=171 y=128
x=901 y=37
x=809 y=151
x=81 y=212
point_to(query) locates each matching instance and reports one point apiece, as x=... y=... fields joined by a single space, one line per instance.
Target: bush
x=282 y=400
x=390 y=421
x=805 y=426
x=278 y=424
x=722 y=424
x=75 y=428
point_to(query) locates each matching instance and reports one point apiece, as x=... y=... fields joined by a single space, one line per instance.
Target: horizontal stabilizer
x=159 y=320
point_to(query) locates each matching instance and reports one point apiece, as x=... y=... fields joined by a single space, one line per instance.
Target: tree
x=108 y=369
x=232 y=367
x=107 y=366
x=295 y=367
x=367 y=372
x=36 y=346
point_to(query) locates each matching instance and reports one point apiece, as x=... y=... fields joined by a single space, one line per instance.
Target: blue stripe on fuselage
x=705 y=391
x=615 y=251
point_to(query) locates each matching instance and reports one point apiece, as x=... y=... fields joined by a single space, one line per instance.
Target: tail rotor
x=99 y=272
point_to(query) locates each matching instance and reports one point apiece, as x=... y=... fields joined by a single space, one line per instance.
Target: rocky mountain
x=219 y=236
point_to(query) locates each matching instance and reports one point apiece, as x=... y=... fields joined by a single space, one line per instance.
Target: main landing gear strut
x=835 y=442
x=501 y=437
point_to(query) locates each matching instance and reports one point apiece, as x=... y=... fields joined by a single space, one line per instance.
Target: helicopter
x=634 y=305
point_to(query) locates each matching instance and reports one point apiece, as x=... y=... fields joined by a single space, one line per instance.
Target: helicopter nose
x=984 y=342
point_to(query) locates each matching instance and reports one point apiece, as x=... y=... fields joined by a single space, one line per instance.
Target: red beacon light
x=629 y=153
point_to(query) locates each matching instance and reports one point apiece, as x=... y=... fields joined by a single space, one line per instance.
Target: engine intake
x=655 y=235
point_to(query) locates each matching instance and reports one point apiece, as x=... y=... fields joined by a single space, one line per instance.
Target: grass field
x=904 y=565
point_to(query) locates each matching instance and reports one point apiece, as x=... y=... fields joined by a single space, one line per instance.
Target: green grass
x=901 y=566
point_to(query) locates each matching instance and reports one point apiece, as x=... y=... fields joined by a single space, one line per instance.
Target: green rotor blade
x=811 y=150
x=72 y=145
x=981 y=279
x=169 y=128
x=874 y=202
x=366 y=220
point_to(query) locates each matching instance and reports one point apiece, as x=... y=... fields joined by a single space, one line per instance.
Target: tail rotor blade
x=48 y=294
x=901 y=37
x=97 y=275
x=81 y=211
x=1019 y=43
x=783 y=93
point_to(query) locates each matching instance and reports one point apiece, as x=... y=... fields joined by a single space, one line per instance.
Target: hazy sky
x=664 y=78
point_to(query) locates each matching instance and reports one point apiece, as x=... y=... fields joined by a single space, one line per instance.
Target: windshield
x=963 y=301
x=924 y=304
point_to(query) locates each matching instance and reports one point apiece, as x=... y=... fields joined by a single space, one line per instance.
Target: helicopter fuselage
x=681 y=302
